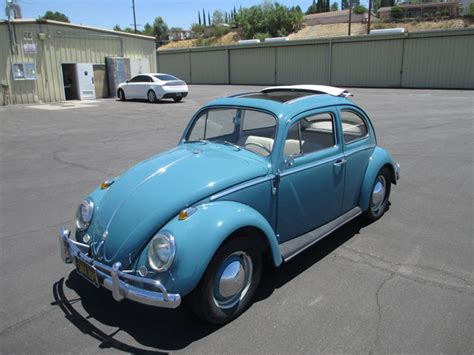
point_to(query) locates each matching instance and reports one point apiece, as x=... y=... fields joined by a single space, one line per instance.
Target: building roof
x=420 y=6
x=72 y=25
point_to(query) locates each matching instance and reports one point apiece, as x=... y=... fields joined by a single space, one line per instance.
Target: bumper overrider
x=122 y=285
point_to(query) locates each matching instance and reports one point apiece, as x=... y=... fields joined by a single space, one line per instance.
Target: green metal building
x=50 y=61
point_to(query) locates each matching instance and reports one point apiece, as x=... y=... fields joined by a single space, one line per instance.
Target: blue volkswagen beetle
x=257 y=175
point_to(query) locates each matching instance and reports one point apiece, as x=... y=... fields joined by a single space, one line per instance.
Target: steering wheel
x=260 y=145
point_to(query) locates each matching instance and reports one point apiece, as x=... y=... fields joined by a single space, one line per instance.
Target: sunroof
x=279 y=95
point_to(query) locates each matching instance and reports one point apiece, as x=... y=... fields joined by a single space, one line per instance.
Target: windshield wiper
x=229 y=144
x=204 y=141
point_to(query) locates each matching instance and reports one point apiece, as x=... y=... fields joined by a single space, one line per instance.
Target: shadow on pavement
x=174 y=329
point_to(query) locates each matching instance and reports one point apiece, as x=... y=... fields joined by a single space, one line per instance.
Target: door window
x=310 y=134
x=353 y=126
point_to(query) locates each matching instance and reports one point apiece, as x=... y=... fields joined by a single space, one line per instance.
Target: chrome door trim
x=242 y=186
x=311 y=165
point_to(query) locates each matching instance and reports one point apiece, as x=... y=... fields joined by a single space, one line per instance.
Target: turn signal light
x=106 y=184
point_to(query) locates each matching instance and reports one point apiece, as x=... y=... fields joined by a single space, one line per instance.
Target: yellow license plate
x=87 y=272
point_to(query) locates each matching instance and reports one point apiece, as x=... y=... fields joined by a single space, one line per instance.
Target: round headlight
x=161 y=251
x=84 y=214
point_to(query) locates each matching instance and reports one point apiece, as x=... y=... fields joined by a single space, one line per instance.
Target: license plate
x=87 y=272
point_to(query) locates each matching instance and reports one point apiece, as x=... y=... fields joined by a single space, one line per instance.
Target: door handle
x=340 y=162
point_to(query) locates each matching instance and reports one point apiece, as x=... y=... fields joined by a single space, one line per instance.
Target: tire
x=379 y=200
x=121 y=95
x=177 y=99
x=217 y=301
x=151 y=96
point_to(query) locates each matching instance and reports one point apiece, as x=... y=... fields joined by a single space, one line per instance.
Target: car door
x=358 y=144
x=143 y=86
x=130 y=87
x=311 y=179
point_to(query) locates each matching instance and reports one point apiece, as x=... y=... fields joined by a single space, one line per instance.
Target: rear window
x=165 y=77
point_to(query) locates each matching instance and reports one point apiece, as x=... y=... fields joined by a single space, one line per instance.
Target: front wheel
x=229 y=283
x=380 y=195
x=121 y=95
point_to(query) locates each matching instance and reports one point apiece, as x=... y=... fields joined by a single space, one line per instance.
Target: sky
x=108 y=13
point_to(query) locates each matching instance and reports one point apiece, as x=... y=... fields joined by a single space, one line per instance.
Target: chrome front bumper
x=397 y=171
x=119 y=282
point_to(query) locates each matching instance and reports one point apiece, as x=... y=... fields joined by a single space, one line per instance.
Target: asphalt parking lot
x=403 y=284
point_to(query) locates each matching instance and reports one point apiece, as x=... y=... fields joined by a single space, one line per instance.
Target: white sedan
x=153 y=86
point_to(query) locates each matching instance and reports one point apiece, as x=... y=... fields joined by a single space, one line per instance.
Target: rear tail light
x=174 y=83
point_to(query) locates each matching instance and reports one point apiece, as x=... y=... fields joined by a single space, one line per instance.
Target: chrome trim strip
x=116 y=280
x=311 y=165
x=322 y=235
x=360 y=149
x=242 y=186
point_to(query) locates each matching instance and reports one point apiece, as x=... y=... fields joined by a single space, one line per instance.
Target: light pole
x=350 y=16
x=134 y=18
x=368 y=19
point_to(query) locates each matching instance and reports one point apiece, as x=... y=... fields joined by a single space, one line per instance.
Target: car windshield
x=237 y=127
x=165 y=77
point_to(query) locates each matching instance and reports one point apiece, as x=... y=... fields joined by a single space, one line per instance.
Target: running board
x=296 y=245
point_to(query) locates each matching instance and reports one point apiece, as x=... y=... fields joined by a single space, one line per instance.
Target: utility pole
x=368 y=19
x=134 y=18
x=350 y=16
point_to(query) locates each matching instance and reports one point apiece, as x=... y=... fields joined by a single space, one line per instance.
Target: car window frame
x=197 y=114
x=364 y=120
x=297 y=121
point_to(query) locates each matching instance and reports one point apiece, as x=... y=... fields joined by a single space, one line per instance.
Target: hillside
x=331 y=30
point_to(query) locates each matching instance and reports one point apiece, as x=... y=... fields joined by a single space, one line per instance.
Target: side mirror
x=127 y=81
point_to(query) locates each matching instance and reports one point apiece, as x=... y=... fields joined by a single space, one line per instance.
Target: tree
x=55 y=16
x=209 y=18
x=385 y=3
x=273 y=19
x=160 y=28
x=334 y=6
x=217 y=17
x=204 y=17
x=117 y=28
x=148 y=30
x=199 y=17
x=397 y=12
x=359 y=9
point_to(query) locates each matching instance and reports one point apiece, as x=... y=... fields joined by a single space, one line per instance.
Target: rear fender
x=379 y=158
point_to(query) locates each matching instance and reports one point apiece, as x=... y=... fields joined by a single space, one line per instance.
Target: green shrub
x=262 y=36
x=197 y=28
x=471 y=9
x=359 y=9
x=218 y=31
x=397 y=12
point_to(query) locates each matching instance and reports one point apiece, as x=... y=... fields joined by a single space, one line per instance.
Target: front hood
x=145 y=197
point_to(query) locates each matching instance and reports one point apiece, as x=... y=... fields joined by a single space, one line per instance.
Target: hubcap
x=232 y=280
x=378 y=194
x=151 y=96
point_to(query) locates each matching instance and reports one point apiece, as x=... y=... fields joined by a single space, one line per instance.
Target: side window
x=310 y=134
x=256 y=119
x=135 y=79
x=353 y=126
x=214 y=124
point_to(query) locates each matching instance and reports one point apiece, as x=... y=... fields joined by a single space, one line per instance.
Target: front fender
x=199 y=237
x=379 y=158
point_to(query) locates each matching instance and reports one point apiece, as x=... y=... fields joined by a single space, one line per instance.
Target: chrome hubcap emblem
x=232 y=280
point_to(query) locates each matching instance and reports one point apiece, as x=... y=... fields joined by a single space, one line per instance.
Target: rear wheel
x=380 y=195
x=229 y=283
x=151 y=96
x=177 y=99
x=121 y=95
